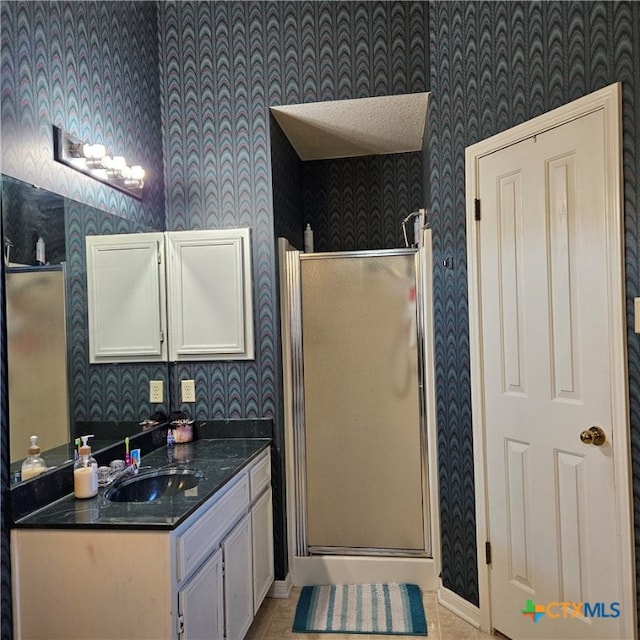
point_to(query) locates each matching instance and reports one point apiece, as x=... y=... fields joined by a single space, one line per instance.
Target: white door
x=546 y=335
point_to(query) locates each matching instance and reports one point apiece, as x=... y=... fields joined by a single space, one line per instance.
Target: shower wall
x=355 y=204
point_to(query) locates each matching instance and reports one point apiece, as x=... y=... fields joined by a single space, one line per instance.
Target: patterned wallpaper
x=489 y=65
x=494 y=65
x=92 y=69
x=224 y=64
x=286 y=178
x=360 y=203
x=34 y=213
x=100 y=392
x=82 y=66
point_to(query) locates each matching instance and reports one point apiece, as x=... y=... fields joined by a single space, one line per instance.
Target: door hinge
x=180 y=625
x=159 y=252
x=487 y=552
x=161 y=336
x=476 y=203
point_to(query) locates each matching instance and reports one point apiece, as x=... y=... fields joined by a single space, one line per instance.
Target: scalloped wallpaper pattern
x=489 y=66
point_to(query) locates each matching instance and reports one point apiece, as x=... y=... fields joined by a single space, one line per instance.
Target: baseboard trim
x=458 y=605
x=281 y=588
x=308 y=570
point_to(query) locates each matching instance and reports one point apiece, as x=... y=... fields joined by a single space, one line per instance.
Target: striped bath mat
x=389 y=609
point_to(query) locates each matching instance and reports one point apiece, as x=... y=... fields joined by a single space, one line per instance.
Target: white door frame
x=609 y=100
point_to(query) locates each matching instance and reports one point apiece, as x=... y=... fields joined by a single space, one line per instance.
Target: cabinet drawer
x=260 y=475
x=206 y=534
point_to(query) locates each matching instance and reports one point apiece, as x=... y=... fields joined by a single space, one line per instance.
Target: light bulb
x=137 y=172
x=93 y=151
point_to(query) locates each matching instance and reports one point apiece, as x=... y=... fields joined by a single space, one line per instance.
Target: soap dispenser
x=34 y=463
x=85 y=472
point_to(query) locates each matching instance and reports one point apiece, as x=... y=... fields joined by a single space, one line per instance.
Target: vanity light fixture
x=93 y=161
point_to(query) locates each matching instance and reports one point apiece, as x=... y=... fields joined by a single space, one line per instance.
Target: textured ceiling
x=362 y=127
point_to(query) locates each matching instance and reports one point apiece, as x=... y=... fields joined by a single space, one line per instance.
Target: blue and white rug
x=387 y=609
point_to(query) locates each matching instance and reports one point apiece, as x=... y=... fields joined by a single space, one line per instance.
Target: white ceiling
x=361 y=127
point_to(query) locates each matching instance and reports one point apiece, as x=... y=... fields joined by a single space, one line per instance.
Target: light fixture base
x=69 y=151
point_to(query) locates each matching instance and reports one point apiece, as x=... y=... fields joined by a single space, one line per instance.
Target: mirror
x=54 y=392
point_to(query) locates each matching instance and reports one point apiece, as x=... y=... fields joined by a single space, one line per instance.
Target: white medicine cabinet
x=126 y=298
x=177 y=295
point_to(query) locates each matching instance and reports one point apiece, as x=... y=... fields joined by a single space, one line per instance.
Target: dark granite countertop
x=217 y=459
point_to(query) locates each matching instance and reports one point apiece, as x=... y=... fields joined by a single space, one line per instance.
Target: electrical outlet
x=155 y=391
x=188 y=390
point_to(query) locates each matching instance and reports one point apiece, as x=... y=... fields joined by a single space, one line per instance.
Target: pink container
x=182 y=431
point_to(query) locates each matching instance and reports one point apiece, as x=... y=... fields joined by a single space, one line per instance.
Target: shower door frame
x=344 y=564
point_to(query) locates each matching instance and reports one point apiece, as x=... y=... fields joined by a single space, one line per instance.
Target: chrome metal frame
x=366 y=551
x=294 y=299
x=297 y=370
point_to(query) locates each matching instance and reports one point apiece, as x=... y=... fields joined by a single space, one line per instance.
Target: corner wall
x=92 y=69
x=224 y=64
x=495 y=65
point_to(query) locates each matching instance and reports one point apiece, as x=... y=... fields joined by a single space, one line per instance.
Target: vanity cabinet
x=238 y=587
x=177 y=295
x=205 y=579
x=220 y=597
x=200 y=611
x=262 y=529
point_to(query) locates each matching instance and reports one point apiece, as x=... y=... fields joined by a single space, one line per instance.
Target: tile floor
x=275 y=618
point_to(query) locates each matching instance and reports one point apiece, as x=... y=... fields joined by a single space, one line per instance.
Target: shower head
x=419 y=224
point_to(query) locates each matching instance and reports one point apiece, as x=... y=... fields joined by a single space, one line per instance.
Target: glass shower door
x=364 y=449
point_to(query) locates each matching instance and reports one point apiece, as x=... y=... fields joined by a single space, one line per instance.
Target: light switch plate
x=156 y=391
x=188 y=390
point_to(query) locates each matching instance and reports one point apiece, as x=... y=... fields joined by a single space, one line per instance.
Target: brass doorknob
x=594 y=435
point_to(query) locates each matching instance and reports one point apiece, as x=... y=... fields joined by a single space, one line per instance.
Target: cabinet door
x=262 y=541
x=200 y=602
x=126 y=298
x=210 y=295
x=238 y=582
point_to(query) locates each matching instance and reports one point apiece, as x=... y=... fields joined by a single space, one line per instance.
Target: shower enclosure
x=358 y=377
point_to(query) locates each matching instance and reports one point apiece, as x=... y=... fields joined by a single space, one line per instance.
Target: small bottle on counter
x=170 y=442
x=34 y=463
x=40 y=252
x=308 y=239
x=85 y=472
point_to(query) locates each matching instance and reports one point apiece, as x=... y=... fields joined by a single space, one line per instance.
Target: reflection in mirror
x=35 y=316
x=37 y=357
x=54 y=392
